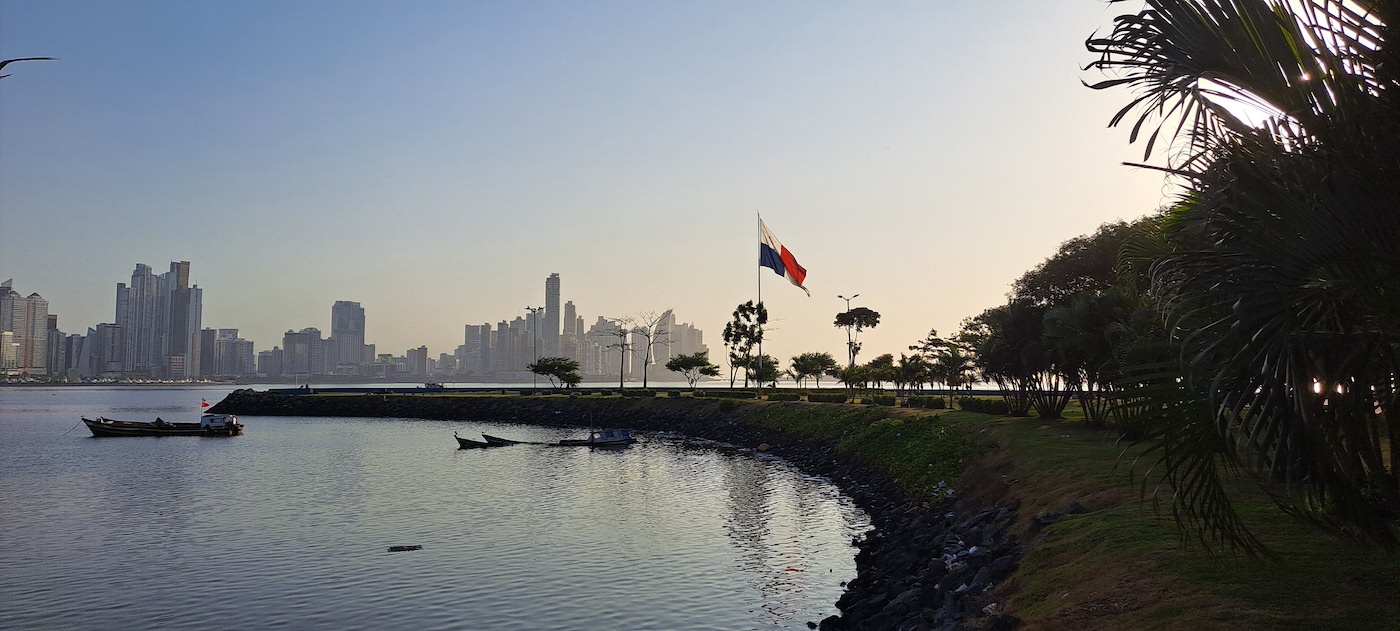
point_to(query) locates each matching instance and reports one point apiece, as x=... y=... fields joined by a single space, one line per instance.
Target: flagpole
x=760 y=295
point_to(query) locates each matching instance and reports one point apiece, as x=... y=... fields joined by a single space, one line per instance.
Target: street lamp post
x=535 y=342
x=850 y=343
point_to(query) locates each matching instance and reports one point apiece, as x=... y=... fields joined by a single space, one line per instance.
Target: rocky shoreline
x=927 y=565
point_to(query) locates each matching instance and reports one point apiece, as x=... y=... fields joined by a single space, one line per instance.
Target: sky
x=436 y=161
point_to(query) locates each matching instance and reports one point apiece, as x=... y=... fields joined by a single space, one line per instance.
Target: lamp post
x=534 y=341
x=850 y=343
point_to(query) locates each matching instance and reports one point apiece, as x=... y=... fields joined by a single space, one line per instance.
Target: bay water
x=290 y=525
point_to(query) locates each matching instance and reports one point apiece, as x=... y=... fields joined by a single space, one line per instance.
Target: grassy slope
x=1124 y=564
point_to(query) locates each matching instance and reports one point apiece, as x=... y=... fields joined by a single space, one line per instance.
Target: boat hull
x=105 y=428
x=496 y=440
x=602 y=438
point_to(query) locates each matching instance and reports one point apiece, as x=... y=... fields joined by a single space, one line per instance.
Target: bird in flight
x=9 y=61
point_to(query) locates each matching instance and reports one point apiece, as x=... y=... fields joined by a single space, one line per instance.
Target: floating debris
x=404 y=548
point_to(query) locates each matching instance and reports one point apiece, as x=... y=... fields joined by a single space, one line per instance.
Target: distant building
x=549 y=325
x=233 y=355
x=270 y=362
x=303 y=353
x=347 y=343
x=104 y=350
x=208 y=362
x=24 y=332
x=159 y=316
x=418 y=361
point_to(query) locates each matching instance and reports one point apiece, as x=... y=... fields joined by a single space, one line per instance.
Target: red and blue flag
x=773 y=255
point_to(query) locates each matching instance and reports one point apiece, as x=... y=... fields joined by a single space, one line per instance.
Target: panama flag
x=773 y=255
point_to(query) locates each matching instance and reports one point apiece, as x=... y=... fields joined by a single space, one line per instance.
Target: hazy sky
x=435 y=161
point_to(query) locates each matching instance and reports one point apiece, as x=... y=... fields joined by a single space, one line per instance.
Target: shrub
x=526 y=393
x=730 y=394
x=638 y=392
x=785 y=396
x=827 y=398
x=932 y=403
x=885 y=400
x=985 y=406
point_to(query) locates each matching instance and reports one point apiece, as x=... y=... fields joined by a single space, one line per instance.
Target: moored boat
x=497 y=440
x=601 y=438
x=467 y=443
x=208 y=425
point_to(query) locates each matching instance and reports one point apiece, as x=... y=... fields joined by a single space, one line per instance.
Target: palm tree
x=1280 y=283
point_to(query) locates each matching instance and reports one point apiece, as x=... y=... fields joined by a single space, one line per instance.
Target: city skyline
x=433 y=162
x=157 y=334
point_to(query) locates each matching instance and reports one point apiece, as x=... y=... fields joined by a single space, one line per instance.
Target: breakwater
x=928 y=564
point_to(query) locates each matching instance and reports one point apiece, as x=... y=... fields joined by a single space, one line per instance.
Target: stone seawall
x=925 y=566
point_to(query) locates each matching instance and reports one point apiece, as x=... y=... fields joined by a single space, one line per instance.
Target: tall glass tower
x=550 y=325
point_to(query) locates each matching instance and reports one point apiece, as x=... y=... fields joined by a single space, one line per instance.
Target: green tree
x=742 y=335
x=811 y=366
x=763 y=371
x=559 y=370
x=910 y=373
x=1087 y=264
x=1280 y=271
x=855 y=377
x=880 y=370
x=855 y=321
x=693 y=367
x=1002 y=336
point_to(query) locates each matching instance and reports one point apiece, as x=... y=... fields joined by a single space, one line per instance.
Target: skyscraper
x=570 y=313
x=303 y=352
x=159 y=316
x=26 y=349
x=347 y=337
x=550 y=325
x=182 y=340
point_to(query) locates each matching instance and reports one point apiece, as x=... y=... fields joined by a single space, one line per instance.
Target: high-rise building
x=208 y=359
x=56 y=355
x=105 y=350
x=570 y=315
x=270 y=362
x=347 y=341
x=418 y=361
x=159 y=316
x=303 y=352
x=181 y=343
x=550 y=325
x=26 y=319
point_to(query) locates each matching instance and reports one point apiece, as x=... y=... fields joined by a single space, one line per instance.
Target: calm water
x=288 y=526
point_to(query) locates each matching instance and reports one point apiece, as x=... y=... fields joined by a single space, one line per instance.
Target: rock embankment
x=927 y=565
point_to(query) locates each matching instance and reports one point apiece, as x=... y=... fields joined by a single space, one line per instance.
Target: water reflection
x=292 y=521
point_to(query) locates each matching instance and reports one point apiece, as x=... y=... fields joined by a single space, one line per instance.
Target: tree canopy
x=742 y=335
x=1276 y=273
x=559 y=370
x=812 y=366
x=855 y=321
x=693 y=367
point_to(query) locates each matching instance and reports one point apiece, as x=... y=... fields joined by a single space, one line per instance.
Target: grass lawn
x=1124 y=564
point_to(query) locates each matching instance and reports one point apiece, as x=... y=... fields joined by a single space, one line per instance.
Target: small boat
x=208 y=425
x=497 y=440
x=467 y=443
x=601 y=438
